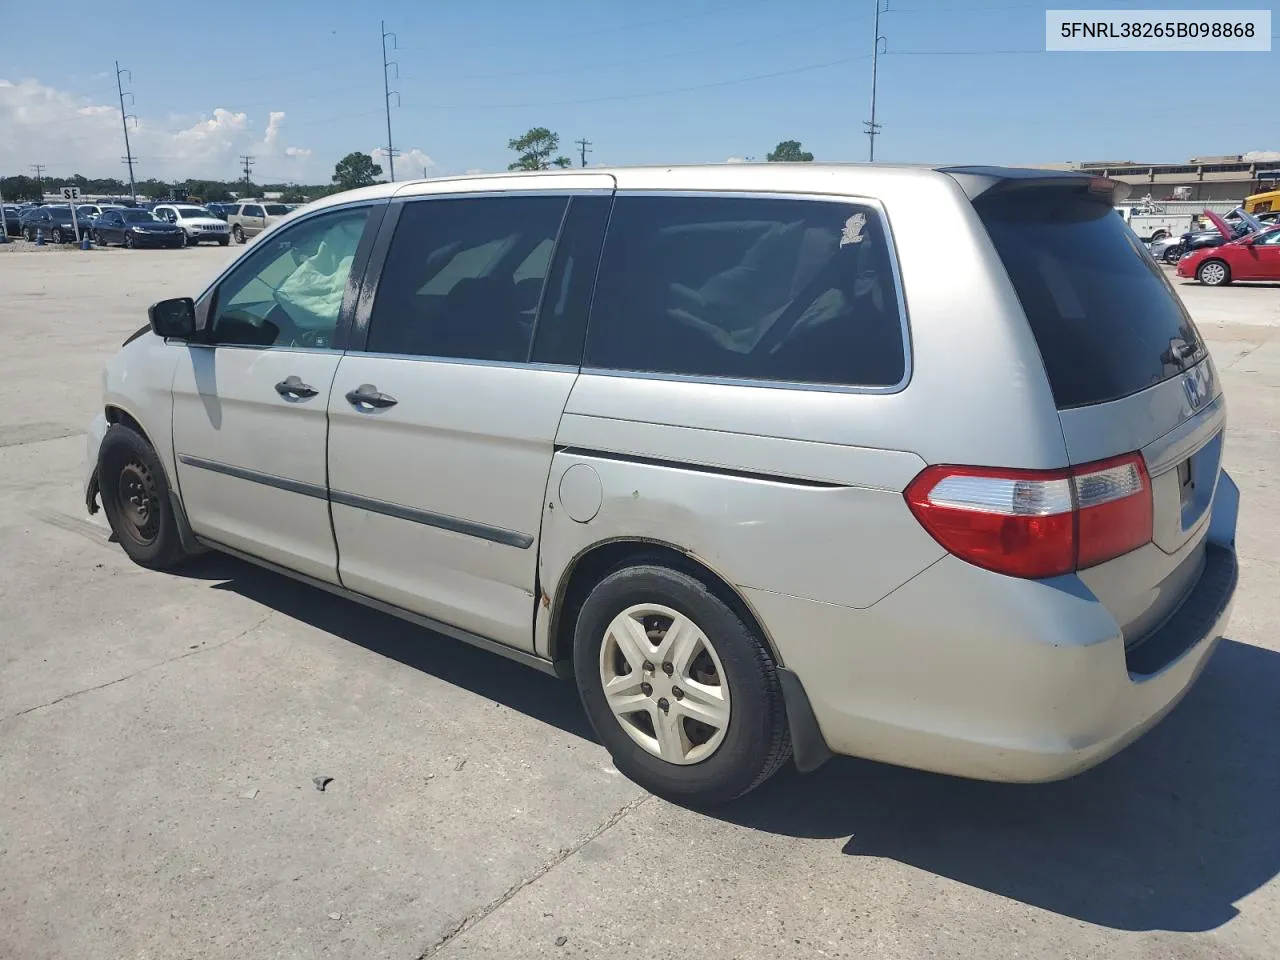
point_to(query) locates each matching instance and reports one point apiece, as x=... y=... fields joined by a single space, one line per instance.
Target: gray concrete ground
x=159 y=735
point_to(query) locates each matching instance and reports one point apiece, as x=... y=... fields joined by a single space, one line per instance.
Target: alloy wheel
x=1213 y=273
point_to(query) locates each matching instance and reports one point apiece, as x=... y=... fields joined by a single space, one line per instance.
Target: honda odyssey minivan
x=741 y=449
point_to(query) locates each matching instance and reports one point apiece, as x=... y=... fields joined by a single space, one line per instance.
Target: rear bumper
x=967 y=672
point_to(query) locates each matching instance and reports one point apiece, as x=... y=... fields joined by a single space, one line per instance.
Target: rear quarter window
x=751 y=288
x=1103 y=314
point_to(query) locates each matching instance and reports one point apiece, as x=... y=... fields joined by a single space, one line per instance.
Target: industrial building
x=1231 y=177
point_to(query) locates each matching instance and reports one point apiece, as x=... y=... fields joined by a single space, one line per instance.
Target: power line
x=676 y=55
x=124 y=123
x=648 y=93
x=628 y=27
x=583 y=145
x=386 y=96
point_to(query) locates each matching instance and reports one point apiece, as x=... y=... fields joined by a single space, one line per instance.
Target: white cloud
x=735 y=160
x=73 y=135
x=473 y=171
x=410 y=164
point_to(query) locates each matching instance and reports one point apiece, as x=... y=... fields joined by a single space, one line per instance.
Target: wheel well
x=591 y=567
x=116 y=415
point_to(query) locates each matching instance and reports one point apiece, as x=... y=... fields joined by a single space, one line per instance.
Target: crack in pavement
x=47 y=438
x=472 y=919
x=140 y=670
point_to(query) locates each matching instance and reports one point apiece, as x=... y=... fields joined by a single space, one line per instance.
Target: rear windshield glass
x=1103 y=314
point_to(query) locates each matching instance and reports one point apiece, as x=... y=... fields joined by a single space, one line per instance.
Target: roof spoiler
x=980 y=181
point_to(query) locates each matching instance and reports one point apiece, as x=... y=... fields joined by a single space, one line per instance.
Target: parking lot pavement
x=159 y=736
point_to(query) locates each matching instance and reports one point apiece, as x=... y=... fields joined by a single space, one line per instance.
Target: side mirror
x=175 y=318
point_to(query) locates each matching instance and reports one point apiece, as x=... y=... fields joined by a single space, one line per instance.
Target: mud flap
x=808 y=746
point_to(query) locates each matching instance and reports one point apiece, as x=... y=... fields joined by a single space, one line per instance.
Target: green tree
x=788 y=151
x=19 y=188
x=355 y=170
x=535 y=149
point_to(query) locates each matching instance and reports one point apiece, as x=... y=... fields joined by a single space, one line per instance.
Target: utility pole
x=124 y=122
x=871 y=126
x=386 y=96
x=39 y=169
x=248 y=160
x=583 y=144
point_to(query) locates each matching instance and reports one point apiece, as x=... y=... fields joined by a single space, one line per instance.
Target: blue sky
x=298 y=84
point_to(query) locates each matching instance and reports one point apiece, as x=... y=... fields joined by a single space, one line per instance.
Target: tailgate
x=1129 y=373
x=1179 y=427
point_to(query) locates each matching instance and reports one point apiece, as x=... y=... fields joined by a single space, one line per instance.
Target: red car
x=1255 y=256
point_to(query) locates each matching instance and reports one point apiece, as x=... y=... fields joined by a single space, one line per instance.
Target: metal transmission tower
x=386 y=95
x=583 y=145
x=248 y=160
x=124 y=122
x=872 y=128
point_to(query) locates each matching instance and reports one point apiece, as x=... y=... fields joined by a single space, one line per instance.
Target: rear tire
x=1173 y=255
x=726 y=669
x=56 y=236
x=135 y=498
x=128 y=241
x=1214 y=273
x=237 y=233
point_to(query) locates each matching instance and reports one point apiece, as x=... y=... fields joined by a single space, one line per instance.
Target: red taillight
x=1036 y=523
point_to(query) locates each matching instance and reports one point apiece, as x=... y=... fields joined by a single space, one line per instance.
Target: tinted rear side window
x=748 y=288
x=463 y=277
x=1102 y=312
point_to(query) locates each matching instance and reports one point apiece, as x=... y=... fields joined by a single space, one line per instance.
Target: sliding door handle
x=367 y=395
x=292 y=386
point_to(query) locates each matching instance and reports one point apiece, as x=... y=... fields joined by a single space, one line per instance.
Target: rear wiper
x=1180 y=352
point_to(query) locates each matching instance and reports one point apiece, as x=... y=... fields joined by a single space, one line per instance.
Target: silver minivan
x=744 y=450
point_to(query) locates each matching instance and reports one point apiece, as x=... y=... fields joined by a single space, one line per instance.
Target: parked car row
x=1205 y=234
x=1252 y=253
x=168 y=225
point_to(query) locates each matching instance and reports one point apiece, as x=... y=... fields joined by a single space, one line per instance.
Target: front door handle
x=367 y=395
x=292 y=386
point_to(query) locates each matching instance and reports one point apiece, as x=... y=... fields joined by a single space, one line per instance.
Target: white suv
x=197 y=223
x=742 y=449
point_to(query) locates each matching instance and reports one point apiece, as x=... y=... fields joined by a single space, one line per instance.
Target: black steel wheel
x=135 y=498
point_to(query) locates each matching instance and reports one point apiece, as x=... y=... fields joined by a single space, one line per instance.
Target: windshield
x=137 y=216
x=1099 y=306
x=276 y=209
x=190 y=213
